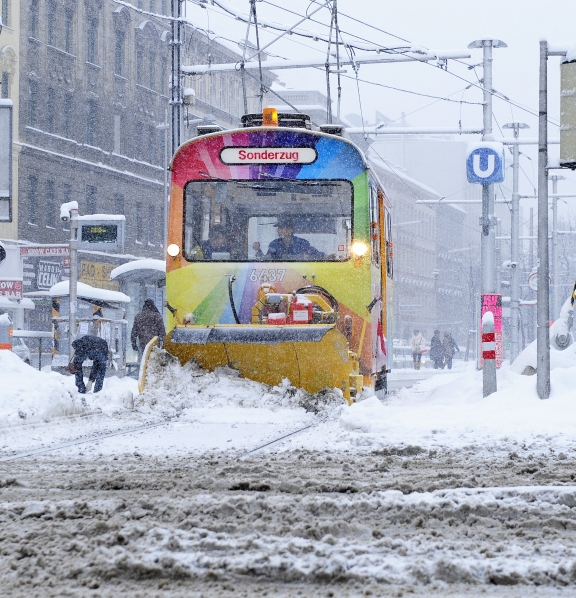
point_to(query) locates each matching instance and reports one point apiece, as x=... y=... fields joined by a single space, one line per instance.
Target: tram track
x=96 y=438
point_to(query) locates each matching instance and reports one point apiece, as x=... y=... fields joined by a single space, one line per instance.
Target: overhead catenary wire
x=402 y=51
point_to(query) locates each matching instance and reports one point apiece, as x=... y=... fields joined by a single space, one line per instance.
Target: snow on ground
x=27 y=395
x=449 y=410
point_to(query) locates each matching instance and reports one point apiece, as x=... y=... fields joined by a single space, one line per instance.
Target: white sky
x=442 y=24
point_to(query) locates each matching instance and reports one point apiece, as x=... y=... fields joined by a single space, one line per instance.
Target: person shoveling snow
x=95 y=349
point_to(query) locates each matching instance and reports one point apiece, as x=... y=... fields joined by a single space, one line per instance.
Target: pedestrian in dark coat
x=450 y=347
x=95 y=349
x=437 y=351
x=147 y=324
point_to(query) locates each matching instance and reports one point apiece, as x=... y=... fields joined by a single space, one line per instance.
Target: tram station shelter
x=100 y=313
x=140 y=280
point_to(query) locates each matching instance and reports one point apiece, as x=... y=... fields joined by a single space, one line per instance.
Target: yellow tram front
x=277 y=259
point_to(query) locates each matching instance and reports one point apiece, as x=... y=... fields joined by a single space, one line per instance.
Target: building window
x=50 y=211
x=50 y=110
x=163 y=74
x=66 y=113
x=151 y=154
x=91 y=37
x=152 y=72
x=138 y=141
x=118 y=203
x=32 y=199
x=33 y=18
x=67 y=192
x=5 y=12
x=32 y=103
x=151 y=225
x=152 y=6
x=117 y=129
x=5 y=85
x=91 y=123
x=119 y=54
x=90 y=199
x=164 y=11
x=51 y=22
x=140 y=67
x=69 y=16
x=139 y=229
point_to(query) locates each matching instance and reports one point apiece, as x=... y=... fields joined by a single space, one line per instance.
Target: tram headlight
x=173 y=250
x=359 y=249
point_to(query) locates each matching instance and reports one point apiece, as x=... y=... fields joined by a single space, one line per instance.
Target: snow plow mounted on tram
x=279 y=258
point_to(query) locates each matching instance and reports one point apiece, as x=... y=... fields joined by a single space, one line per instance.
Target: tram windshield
x=268 y=220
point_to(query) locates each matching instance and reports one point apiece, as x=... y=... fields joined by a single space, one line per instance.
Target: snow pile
x=454 y=413
x=559 y=358
x=27 y=395
x=171 y=388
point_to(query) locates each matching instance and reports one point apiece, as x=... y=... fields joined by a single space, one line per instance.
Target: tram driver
x=287 y=244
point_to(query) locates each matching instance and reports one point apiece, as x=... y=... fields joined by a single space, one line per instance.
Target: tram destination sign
x=101 y=232
x=268 y=155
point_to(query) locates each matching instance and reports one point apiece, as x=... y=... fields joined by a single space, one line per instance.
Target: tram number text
x=267 y=275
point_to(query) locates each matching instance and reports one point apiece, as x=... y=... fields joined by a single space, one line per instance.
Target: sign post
x=485 y=165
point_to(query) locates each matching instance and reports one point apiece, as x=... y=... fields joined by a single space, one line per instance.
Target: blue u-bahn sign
x=485 y=163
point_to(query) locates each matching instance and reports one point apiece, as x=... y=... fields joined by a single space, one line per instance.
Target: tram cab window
x=268 y=220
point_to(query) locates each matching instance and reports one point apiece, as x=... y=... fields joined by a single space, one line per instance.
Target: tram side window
x=374 y=227
x=389 y=246
x=268 y=220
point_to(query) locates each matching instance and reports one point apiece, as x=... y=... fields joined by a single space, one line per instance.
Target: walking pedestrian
x=95 y=349
x=417 y=343
x=147 y=324
x=437 y=351
x=450 y=347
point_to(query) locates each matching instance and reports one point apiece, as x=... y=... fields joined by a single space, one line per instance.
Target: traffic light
x=2 y=253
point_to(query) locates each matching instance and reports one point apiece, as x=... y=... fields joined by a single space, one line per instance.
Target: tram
x=279 y=256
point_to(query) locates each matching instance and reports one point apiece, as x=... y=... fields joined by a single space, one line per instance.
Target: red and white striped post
x=489 y=354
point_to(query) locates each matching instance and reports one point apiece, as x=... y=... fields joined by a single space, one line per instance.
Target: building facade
x=94 y=95
x=9 y=89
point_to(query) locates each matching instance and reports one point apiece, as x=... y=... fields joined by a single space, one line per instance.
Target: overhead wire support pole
x=488 y=237
x=554 y=257
x=515 y=244
x=543 y=296
x=176 y=94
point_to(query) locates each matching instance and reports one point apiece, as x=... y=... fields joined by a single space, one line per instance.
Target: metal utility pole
x=165 y=126
x=488 y=240
x=543 y=296
x=556 y=305
x=73 y=284
x=176 y=95
x=515 y=245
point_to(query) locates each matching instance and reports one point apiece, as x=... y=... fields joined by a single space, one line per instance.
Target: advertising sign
x=44 y=251
x=44 y=265
x=97 y=274
x=47 y=274
x=493 y=303
x=485 y=163
x=12 y=289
